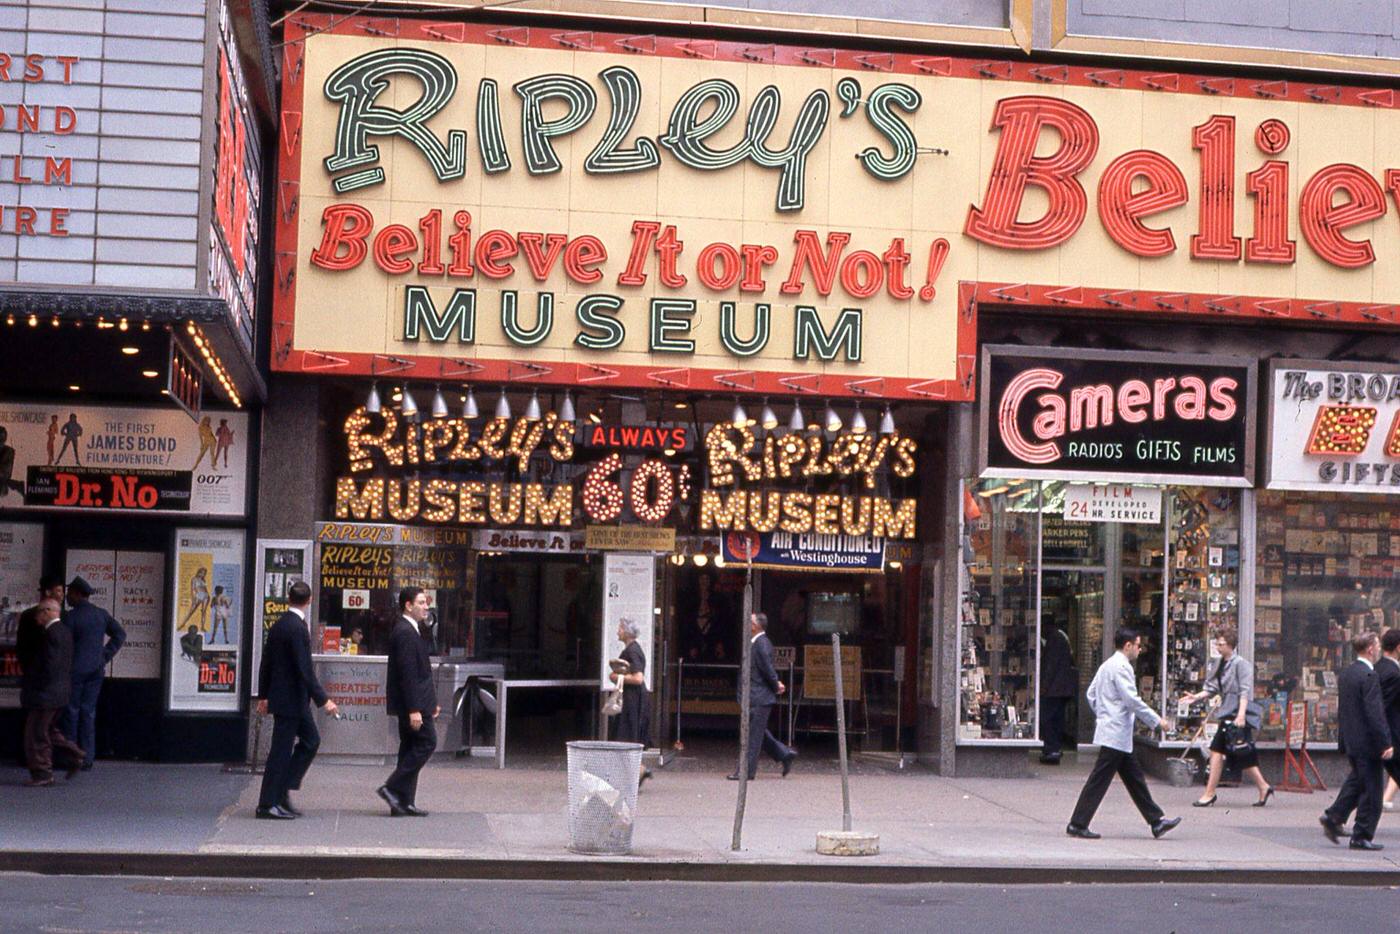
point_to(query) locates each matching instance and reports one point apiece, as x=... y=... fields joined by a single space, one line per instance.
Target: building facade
x=967 y=324
x=557 y=220
x=133 y=144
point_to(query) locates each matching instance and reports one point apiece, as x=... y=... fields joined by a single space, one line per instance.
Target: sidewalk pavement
x=129 y=818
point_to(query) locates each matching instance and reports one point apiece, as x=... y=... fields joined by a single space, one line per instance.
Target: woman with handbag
x=633 y=722
x=1238 y=716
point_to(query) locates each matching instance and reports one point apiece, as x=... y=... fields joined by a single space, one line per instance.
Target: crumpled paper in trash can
x=604 y=821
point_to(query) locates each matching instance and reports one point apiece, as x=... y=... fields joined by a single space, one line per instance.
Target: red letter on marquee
x=1021 y=119
x=1215 y=139
x=347 y=225
x=1268 y=186
x=1120 y=211
x=1323 y=220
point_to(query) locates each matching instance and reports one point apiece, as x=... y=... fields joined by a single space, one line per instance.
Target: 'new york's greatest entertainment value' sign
x=478 y=201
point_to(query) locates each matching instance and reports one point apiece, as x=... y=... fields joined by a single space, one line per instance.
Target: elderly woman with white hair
x=633 y=723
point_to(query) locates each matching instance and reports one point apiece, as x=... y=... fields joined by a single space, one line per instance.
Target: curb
x=330 y=866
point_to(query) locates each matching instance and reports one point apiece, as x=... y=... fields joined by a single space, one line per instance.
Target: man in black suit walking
x=286 y=683
x=1388 y=674
x=764 y=688
x=1364 y=735
x=411 y=698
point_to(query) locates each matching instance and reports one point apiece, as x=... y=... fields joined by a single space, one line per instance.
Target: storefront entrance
x=1175 y=580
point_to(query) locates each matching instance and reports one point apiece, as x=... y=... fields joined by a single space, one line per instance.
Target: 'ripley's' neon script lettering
x=1085 y=408
x=702 y=110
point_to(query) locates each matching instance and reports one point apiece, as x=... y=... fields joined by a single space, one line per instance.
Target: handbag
x=1237 y=741
x=612 y=702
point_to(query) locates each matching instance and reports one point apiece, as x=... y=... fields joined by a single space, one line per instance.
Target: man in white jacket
x=1114 y=698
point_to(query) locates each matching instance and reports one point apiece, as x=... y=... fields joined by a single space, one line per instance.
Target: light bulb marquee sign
x=475 y=473
x=511 y=203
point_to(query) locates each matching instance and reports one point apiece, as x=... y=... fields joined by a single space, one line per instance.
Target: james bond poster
x=97 y=458
x=206 y=621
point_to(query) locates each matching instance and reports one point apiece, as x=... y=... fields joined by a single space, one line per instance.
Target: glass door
x=1072 y=604
x=1140 y=554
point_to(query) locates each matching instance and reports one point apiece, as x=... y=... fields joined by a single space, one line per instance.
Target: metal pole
x=898 y=717
x=742 y=770
x=841 y=734
x=680 y=682
x=790 y=692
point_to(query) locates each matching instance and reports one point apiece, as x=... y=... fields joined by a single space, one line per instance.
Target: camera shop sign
x=1109 y=416
x=488 y=201
x=1334 y=426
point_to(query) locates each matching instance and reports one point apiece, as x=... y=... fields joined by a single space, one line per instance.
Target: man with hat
x=50 y=588
x=97 y=637
x=45 y=651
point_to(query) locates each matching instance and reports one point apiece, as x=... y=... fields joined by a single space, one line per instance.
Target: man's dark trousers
x=760 y=737
x=415 y=749
x=81 y=720
x=43 y=740
x=1361 y=791
x=1052 y=725
x=294 y=744
x=1125 y=765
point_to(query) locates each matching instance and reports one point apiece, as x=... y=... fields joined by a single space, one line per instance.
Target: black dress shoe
x=734 y=777
x=1365 y=845
x=391 y=799
x=787 y=763
x=1164 y=825
x=286 y=805
x=1330 y=828
x=1083 y=833
x=1050 y=760
x=414 y=810
x=273 y=813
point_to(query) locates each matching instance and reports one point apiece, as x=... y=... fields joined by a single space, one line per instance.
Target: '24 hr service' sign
x=1108 y=416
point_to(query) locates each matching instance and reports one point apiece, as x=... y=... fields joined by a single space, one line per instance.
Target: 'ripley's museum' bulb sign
x=506 y=202
x=389 y=457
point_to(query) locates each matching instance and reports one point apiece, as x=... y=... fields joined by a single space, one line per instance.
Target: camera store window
x=998 y=623
x=1329 y=569
x=1203 y=600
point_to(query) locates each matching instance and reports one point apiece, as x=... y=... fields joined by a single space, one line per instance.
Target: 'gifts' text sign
x=1110 y=416
x=1334 y=426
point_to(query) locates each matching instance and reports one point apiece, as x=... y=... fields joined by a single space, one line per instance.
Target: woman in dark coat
x=633 y=724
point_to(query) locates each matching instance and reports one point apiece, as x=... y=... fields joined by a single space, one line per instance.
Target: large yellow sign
x=507 y=203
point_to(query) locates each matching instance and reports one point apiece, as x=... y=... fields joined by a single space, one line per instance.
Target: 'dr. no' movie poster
x=206 y=620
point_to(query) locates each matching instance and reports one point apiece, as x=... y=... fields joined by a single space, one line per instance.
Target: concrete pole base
x=847 y=843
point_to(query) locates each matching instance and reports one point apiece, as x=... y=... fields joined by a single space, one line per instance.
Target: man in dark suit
x=764 y=689
x=286 y=685
x=410 y=697
x=1388 y=674
x=1059 y=681
x=1364 y=735
x=45 y=650
x=97 y=638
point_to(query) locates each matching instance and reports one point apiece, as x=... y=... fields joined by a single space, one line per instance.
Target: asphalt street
x=76 y=905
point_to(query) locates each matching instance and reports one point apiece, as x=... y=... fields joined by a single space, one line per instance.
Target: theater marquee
x=510 y=203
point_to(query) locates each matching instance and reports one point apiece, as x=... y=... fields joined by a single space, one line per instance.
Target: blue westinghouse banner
x=808 y=551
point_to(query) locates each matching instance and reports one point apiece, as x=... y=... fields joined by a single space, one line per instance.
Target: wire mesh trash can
x=603 y=796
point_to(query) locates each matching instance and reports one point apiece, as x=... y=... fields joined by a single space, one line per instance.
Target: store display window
x=1083 y=559
x=1203 y=600
x=999 y=636
x=1329 y=569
